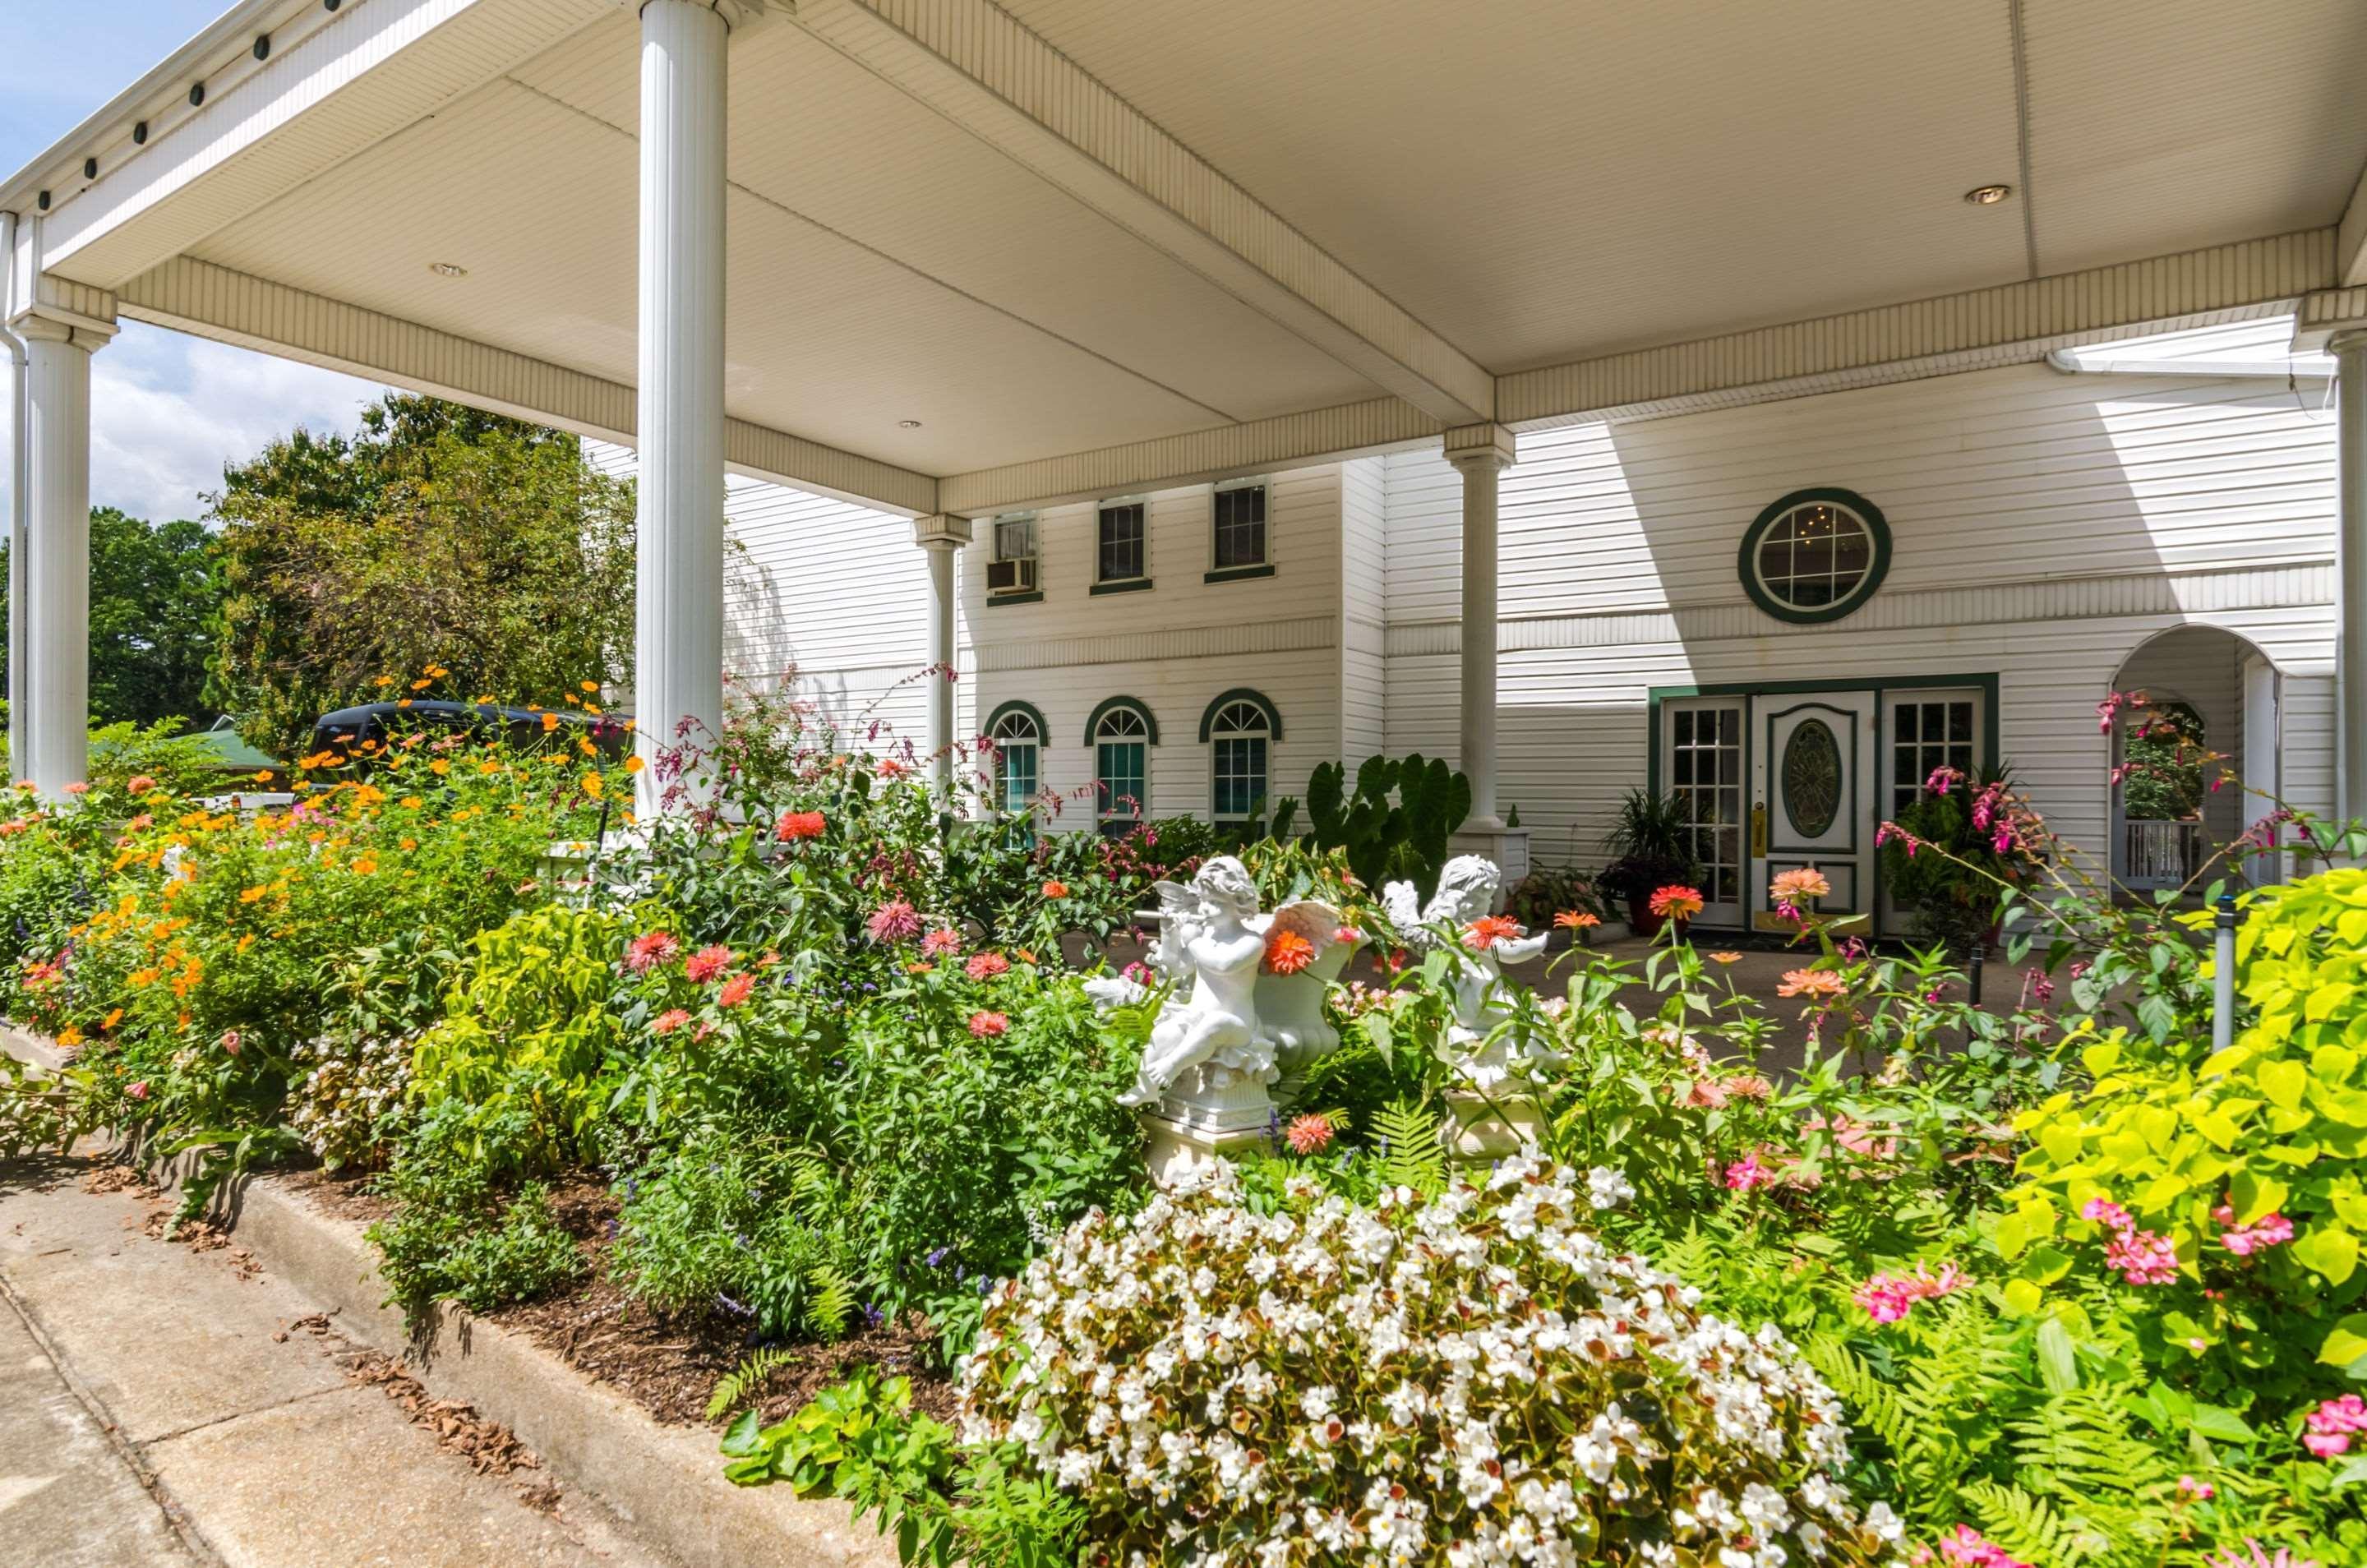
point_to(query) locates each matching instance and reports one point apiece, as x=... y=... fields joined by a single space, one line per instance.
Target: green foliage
x=1954 y=894
x=153 y=607
x=454 y=1236
x=1411 y=1142
x=2276 y=1125
x=2162 y=756
x=174 y=760
x=1394 y=825
x=438 y=532
x=740 y=1225
x=743 y=1382
x=1651 y=846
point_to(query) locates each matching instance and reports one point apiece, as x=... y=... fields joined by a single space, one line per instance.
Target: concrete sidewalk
x=170 y=1406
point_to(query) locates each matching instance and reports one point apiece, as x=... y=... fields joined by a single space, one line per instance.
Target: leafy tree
x=436 y=534
x=152 y=599
x=2164 y=752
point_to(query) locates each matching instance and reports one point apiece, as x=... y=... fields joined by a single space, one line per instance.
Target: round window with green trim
x=1816 y=555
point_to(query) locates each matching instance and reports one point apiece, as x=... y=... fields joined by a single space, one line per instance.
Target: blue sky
x=167 y=411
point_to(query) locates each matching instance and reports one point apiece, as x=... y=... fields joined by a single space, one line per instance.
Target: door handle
x=1759 y=831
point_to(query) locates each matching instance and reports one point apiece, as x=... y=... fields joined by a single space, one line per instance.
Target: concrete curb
x=665 y=1482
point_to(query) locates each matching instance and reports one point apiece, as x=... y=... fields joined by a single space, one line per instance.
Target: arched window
x=1018 y=731
x=1241 y=727
x=1121 y=734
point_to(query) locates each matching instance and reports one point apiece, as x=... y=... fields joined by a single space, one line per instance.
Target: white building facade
x=1218 y=388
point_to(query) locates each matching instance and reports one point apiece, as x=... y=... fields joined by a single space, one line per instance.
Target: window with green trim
x=1240 y=526
x=1121 y=769
x=1239 y=740
x=1816 y=555
x=1018 y=746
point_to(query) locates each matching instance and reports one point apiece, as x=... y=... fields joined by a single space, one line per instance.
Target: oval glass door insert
x=1812 y=778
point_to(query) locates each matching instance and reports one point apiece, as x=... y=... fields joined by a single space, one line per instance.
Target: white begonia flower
x=1886 y=1526
x=1607 y=1189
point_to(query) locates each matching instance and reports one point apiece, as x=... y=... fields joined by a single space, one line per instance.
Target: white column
x=1480 y=453
x=54 y=685
x=678 y=632
x=941 y=535
x=2350 y=578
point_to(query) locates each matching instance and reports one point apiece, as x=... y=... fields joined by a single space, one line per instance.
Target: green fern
x=741 y=1383
x=2025 y=1526
x=1412 y=1149
x=831 y=1304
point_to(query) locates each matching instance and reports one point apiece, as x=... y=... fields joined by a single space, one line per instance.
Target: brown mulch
x=345 y=1194
x=489 y=1448
x=670 y=1365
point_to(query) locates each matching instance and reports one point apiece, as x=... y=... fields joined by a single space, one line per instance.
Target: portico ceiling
x=1350 y=204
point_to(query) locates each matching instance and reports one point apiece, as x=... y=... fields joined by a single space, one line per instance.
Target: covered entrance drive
x=1777 y=778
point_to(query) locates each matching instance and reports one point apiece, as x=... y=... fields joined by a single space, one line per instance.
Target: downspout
x=20 y=379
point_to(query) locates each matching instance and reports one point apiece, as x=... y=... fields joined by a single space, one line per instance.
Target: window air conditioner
x=1011 y=577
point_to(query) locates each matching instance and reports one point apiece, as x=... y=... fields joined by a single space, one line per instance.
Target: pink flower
x=987 y=1025
x=1308 y=1134
x=986 y=966
x=139 y=1091
x=1747 y=1173
x=669 y=1021
x=895 y=920
x=2270 y=1230
x=2257 y=1556
x=77 y=788
x=650 y=950
x=1886 y=1298
x=2333 y=1423
x=2144 y=1258
x=139 y=784
x=737 y=989
x=2200 y=1491
x=942 y=942
x=231 y=1039
x=2107 y=1211
x=1967 y=1548
x=707 y=964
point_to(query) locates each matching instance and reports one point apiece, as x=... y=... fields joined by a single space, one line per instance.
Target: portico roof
x=982 y=255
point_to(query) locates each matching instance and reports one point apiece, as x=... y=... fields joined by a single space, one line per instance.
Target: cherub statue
x=1467 y=888
x=1209 y=1026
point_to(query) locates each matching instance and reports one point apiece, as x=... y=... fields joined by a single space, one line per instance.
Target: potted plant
x=1650 y=843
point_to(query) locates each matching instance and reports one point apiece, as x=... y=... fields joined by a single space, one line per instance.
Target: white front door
x=1812 y=798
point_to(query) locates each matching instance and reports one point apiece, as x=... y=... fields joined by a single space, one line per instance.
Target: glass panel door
x=1702 y=763
x=1923 y=731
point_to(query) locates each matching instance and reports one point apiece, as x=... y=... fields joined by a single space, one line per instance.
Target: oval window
x=1816 y=555
x=1812 y=779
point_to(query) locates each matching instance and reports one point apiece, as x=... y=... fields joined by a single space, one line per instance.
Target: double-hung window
x=1240 y=526
x=1122 y=555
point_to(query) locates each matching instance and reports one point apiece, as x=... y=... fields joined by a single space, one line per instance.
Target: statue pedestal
x=1484 y=1132
x=1177 y=1148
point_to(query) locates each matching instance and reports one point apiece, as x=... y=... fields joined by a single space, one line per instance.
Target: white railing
x=2160 y=854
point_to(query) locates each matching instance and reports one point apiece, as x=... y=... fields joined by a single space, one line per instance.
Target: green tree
x=153 y=602
x=436 y=534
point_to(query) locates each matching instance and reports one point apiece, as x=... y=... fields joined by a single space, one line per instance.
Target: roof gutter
x=2068 y=361
x=227 y=35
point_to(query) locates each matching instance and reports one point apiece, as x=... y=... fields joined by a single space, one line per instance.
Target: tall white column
x=2351 y=577
x=678 y=631
x=1480 y=452
x=54 y=685
x=941 y=535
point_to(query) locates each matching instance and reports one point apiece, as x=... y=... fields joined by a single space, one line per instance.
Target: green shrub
x=454 y=1236
x=740 y=1225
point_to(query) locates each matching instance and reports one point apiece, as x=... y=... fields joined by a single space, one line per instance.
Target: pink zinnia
x=895 y=920
x=986 y=966
x=707 y=964
x=650 y=950
x=1308 y=1134
x=1747 y=1173
x=987 y=1025
x=942 y=942
x=737 y=989
x=669 y=1021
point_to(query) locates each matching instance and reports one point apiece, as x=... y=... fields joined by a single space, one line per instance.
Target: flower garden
x=821 y=1075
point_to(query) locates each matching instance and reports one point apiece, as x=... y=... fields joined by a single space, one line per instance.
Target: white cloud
x=168 y=411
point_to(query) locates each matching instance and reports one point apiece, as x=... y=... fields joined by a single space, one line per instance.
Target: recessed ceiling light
x=447 y=269
x=907 y=424
x=1988 y=196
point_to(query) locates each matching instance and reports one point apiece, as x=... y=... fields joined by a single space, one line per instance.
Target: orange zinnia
x=1488 y=929
x=1055 y=890
x=1576 y=919
x=1287 y=952
x=1806 y=882
x=1677 y=902
x=1820 y=982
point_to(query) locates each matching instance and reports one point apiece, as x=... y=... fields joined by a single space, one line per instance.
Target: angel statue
x=1466 y=893
x=1206 y=1059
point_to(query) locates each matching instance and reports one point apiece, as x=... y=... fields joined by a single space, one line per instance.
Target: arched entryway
x=2197 y=761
